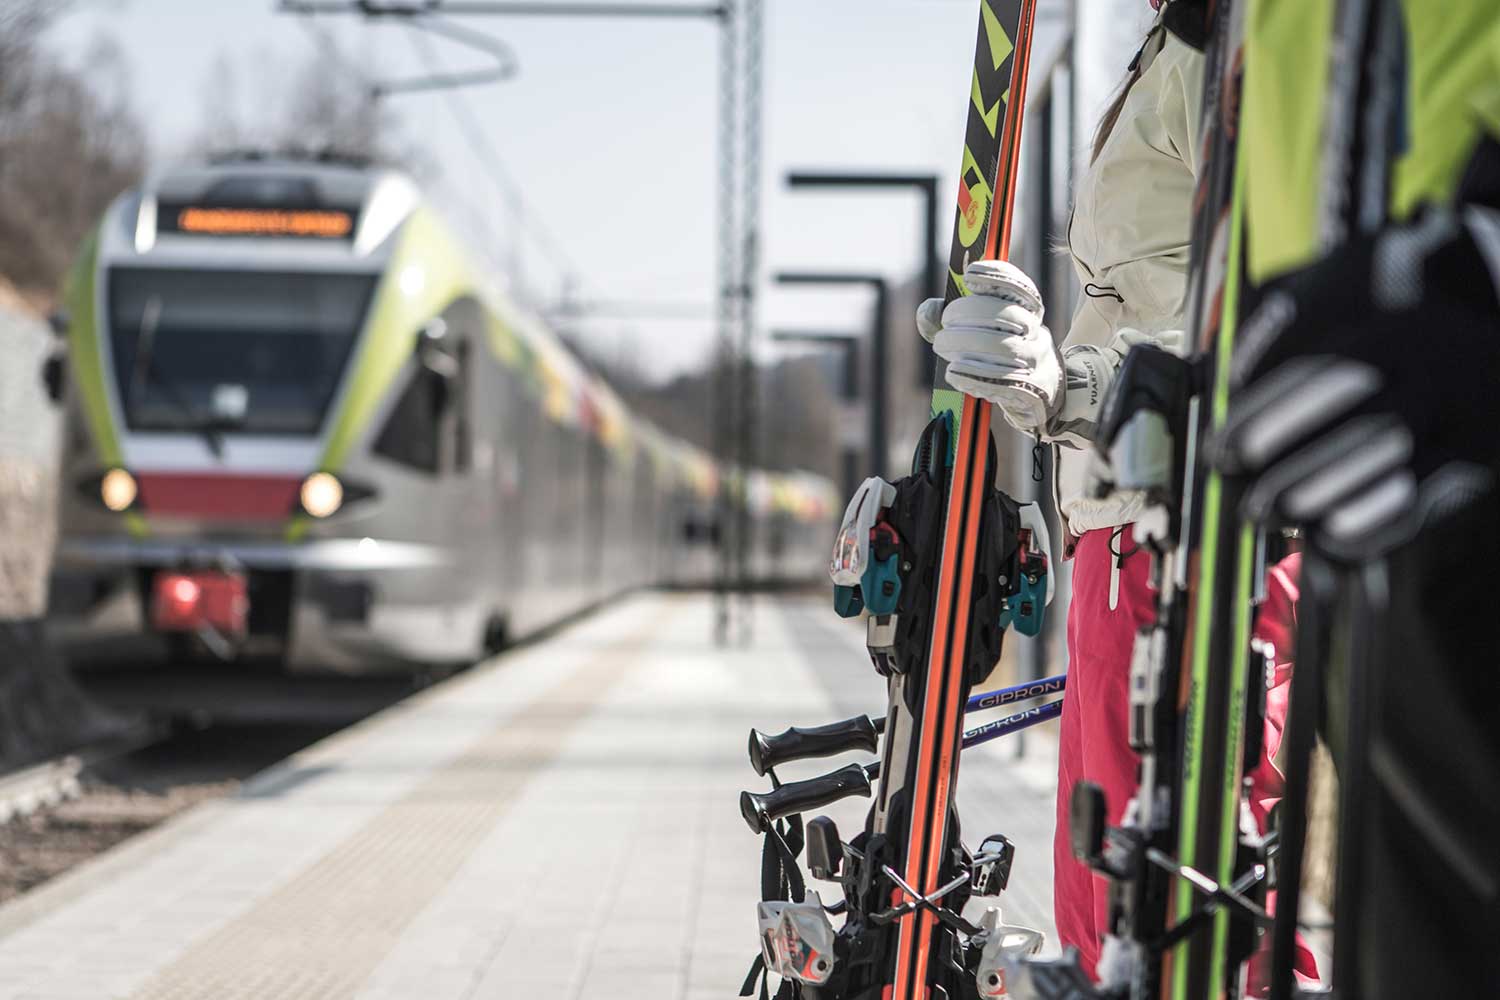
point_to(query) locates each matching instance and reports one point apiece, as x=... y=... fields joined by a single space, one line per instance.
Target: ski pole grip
x=766 y=752
x=762 y=809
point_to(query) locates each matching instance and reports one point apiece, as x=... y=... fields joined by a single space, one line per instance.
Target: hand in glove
x=995 y=344
x=1365 y=386
x=997 y=349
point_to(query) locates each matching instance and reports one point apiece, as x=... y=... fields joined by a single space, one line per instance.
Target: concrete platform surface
x=561 y=822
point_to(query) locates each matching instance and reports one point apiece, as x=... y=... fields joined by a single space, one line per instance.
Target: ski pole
x=1012 y=724
x=863 y=732
x=761 y=809
x=1017 y=692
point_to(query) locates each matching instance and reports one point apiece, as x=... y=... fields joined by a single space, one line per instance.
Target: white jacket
x=1129 y=238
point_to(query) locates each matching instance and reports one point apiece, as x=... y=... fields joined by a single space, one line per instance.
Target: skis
x=1216 y=668
x=1338 y=640
x=932 y=707
x=942 y=563
x=1184 y=876
x=1187 y=922
x=914 y=808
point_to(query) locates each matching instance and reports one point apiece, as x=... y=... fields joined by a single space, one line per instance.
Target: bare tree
x=21 y=23
x=323 y=105
x=222 y=126
x=66 y=148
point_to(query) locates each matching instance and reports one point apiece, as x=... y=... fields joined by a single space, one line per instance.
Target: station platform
x=561 y=821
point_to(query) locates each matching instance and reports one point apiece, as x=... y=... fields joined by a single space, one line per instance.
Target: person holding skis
x=1129 y=240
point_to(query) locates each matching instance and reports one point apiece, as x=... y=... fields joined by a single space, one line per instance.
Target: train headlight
x=117 y=489
x=322 y=494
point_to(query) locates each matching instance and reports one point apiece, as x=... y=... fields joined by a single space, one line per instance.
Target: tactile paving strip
x=323 y=933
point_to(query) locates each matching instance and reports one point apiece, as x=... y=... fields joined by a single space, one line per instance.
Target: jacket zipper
x=1114 y=566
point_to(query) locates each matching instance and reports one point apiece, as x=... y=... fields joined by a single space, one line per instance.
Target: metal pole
x=724 y=412
x=879 y=356
x=879 y=365
x=1034 y=653
x=849 y=470
x=848 y=343
x=851 y=371
x=751 y=44
x=851 y=388
x=932 y=280
x=927 y=251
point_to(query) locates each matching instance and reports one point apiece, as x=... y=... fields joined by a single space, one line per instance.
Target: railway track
x=31 y=788
x=49 y=783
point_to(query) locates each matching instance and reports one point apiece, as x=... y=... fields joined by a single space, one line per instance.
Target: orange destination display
x=308 y=223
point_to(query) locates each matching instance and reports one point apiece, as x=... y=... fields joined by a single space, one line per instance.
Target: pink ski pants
x=1112 y=599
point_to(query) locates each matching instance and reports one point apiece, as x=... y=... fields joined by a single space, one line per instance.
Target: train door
x=595 y=559
x=505 y=429
x=563 y=550
x=525 y=506
x=424 y=451
x=643 y=532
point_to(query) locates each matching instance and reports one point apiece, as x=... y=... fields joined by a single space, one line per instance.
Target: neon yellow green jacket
x=1452 y=99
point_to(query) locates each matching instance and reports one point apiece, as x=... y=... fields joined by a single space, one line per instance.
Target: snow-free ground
x=560 y=822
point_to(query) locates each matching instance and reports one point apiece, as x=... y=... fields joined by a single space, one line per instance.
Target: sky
x=608 y=130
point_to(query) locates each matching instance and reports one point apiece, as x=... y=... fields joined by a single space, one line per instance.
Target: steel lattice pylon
x=737 y=424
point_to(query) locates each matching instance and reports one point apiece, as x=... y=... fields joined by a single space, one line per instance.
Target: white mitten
x=996 y=346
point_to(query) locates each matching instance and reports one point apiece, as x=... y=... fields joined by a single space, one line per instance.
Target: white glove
x=996 y=346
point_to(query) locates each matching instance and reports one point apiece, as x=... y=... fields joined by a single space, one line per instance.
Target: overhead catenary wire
x=506 y=8
x=504 y=68
x=331 y=51
x=472 y=131
x=420 y=14
x=504 y=62
x=420 y=18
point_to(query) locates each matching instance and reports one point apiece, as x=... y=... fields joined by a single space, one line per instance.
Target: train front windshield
x=237 y=351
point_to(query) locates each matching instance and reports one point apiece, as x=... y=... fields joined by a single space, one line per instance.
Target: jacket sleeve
x=1139 y=192
x=1156 y=284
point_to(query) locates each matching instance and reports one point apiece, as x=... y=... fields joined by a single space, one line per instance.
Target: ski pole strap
x=758 y=971
x=780 y=875
x=780 y=878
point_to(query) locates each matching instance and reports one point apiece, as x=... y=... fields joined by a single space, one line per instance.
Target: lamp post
x=849 y=450
x=879 y=360
x=924 y=184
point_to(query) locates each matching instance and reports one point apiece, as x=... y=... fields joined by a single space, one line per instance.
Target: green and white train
x=301 y=426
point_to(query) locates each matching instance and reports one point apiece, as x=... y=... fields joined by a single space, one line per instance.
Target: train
x=302 y=426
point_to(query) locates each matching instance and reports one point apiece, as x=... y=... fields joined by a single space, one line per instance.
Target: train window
x=411 y=435
x=462 y=406
x=431 y=427
x=463 y=323
x=237 y=351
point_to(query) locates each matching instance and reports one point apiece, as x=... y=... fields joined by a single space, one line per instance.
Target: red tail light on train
x=190 y=601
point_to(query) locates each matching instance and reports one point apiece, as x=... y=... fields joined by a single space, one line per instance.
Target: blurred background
x=587 y=180
x=590 y=297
